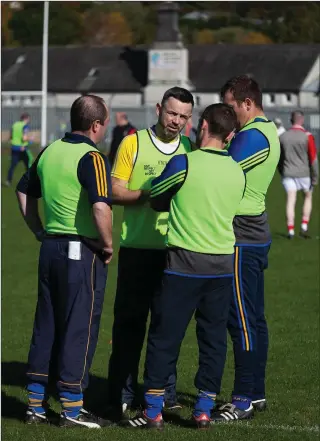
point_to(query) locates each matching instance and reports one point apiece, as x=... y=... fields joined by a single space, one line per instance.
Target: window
x=289 y=97
x=198 y=101
x=28 y=101
x=269 y=99
x=15 y=101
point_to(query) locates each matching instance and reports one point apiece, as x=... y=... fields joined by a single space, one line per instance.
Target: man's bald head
x=85 y=111
x=297 y=117
x=89 y=116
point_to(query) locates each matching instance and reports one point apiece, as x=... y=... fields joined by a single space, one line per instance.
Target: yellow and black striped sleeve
x=94 y=176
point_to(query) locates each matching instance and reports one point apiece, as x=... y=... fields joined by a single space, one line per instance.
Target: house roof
x=275 y=67
x=118 y=69
x=69 y=67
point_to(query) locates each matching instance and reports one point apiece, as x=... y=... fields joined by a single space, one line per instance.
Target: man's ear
x=204 y=125
x=230 y=136
x=248 y=103
x=158 y=109
x=95 y=126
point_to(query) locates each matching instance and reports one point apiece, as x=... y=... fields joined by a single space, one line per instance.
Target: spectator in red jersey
x=122 y=129
x=298 y=167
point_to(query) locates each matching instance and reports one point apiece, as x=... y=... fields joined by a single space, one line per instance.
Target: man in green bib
x=201 y=191
x=140 y=158
x=72 y=178
x=256 y=148
x=19 y=145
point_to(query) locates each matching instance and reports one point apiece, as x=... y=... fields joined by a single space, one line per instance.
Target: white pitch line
x=314 y=429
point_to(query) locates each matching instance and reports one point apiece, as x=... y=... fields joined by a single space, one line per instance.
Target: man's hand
x=107 y=254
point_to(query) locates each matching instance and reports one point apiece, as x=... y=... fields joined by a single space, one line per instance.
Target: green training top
x=17 y=134
x=141 y=226
x=205 y=188
x=67 y=208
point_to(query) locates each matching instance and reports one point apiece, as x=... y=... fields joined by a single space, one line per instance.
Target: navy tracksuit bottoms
x=173 y=308
x=67 y=319
x=140 y=274
x=247 y=323
x=16 y=157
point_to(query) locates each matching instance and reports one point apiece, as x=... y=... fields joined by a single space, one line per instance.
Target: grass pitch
x=292 y=306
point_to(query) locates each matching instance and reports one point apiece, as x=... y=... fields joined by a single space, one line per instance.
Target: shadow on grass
x=14 y=374
x=280 y=236
x=95 y=397
x=11 y=407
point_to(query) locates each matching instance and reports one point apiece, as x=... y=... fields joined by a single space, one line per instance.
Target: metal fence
x=141 y=117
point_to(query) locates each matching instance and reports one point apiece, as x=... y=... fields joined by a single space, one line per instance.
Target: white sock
x=304 y=226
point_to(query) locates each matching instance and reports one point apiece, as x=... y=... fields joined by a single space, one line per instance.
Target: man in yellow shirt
x=140 y=158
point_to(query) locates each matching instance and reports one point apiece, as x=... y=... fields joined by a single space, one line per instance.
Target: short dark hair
x=242 y=87
x=221 y=119
x=24 y=116
x=180 y=94
x=85 y=110
x=295 y=115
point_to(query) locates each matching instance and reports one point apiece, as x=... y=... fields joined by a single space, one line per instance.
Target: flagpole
x=44 y=75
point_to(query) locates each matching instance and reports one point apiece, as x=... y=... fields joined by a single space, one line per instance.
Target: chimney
x=168 y=62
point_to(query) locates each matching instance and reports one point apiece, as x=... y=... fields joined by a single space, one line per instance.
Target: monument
x=167 y=58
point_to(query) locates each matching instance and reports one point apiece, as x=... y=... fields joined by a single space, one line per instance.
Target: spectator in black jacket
x=122 y=129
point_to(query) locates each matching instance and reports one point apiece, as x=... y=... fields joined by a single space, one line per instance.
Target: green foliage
x=78 y=22
x=302 y=21
x=65 y=24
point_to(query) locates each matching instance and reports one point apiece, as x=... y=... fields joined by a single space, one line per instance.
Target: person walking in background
x=201 y=191
x=19 y=146
x=141 y=157
x=299 y=170
x=280 y=127
x=122 y=129
x=73 y=179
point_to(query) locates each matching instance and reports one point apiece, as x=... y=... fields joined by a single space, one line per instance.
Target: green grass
x=292 y=304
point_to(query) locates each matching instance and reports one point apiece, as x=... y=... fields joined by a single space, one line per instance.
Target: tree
x=301 y=24
x=109 y=22
x=204 y=36
x=65 y=24
x=6 y=14
x=252 y=37
x=229 y=35
x=298 y=24
x=107 y=28
x=140 y=18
